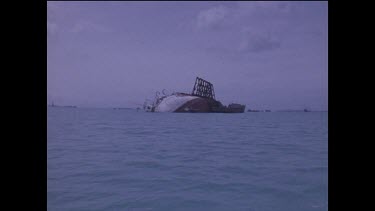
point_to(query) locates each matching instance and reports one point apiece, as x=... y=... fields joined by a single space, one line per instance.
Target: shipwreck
x=201 y=100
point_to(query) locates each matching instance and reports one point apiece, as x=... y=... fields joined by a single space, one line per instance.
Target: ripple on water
x=105 y=159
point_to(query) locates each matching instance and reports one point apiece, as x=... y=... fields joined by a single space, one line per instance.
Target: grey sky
x=270 y=55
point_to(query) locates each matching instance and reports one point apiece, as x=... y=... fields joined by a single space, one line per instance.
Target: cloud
x=212 y=17
x=256 y=42
x=56 y=21
x=221 y=15
x=263 y=8
x=243 y=31
x=52 y=10
x=83 y=25
x=52 y=28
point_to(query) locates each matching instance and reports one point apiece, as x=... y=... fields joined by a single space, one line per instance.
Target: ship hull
x=184 y=103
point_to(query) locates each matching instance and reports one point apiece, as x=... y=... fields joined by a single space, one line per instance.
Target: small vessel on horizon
x=254 y=110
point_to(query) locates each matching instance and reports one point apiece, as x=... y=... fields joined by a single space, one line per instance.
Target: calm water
x=105 y=159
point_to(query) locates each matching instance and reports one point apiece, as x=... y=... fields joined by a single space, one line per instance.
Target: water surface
x=105 y=159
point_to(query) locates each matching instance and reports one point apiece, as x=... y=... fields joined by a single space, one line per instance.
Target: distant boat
x=69 y=106
x=252 y=110
x=295 y=110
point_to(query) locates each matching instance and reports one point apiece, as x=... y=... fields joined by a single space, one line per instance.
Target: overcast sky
x=267 y=55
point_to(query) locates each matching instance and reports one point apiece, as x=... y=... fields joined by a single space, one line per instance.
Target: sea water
x=106 y=159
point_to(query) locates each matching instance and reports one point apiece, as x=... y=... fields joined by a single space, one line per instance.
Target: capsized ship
x=201 y=100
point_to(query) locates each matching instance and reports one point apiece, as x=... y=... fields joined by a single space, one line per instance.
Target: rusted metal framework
x=203 y=88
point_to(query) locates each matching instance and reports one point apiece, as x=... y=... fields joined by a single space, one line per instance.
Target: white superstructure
x=172 y=102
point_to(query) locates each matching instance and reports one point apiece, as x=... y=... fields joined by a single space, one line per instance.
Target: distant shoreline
x=68 y=106
x=248 y=111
